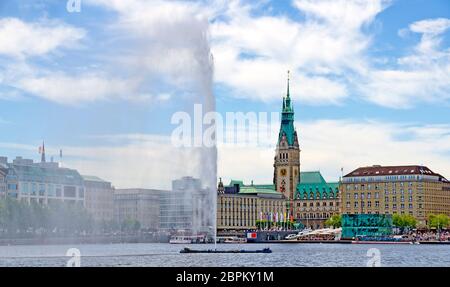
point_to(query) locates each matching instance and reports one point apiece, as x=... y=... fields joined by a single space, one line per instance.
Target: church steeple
x=287 y=157
x=288 y=96
x=287 y=101
x=287 y=118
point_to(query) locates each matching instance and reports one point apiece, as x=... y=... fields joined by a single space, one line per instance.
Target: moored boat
x=184 y=239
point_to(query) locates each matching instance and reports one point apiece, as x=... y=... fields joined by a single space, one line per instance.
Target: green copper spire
x=288 y=85
x=287 y=118
x=287 y=102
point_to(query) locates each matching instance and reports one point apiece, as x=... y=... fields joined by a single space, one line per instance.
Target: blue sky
x=370 y=81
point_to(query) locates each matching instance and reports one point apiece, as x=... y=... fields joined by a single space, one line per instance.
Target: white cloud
x=65 y=89
x=158 y=47
x=430 y=26
x=421 y=76
x=167 y=42
x=253 y=53
x=21 y=39
x=328 y=54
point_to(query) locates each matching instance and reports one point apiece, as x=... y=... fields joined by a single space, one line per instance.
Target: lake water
x=159 y=254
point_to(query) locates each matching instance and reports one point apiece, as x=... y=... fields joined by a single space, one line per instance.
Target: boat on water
x=180 y=240
x=302 y=233
x=184 y=239
x=231 y=239
x=189 y=250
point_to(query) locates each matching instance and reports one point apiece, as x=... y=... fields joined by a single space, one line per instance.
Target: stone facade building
x=138 y=204
x=316 y=200
x=239 y=206
x=99 y=198
x=413 y=189
x=43 y=182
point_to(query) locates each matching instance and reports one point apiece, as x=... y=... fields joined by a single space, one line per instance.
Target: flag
x=284 y=217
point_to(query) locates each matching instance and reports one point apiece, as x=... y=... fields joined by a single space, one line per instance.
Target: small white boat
x=304 y=232
x=235 y=240
x=180 y=240
x=185 y=239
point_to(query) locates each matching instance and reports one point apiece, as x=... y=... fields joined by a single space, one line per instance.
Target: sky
x=369 y=81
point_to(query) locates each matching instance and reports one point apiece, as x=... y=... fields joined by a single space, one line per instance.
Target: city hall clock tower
x=287 y=157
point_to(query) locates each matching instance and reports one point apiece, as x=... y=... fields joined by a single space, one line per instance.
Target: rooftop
x=39 y=173
x=93 y=178
x=253 y=188
x=313 y=183
x=378 y=170
x=311 y=177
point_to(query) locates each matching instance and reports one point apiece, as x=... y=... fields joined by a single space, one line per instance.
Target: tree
x=438 y=221
x=334 y=221
x=404 y=221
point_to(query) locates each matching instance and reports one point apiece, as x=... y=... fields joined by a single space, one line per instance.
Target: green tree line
x=20 y=219
x=23 y=219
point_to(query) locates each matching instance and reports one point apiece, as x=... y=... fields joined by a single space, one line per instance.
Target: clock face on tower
x=283 y=172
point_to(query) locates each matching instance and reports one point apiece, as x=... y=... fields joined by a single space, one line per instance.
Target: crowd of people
x=418 y=235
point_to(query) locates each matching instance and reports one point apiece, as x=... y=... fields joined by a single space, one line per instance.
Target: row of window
x=384 y=178
x=377 y=194
x=236 y=222
x=410 y=212
x=51 y=190
x=378 y=186
x=318 y=195
x=368 y=204
x=314 y=215
x=319 y=203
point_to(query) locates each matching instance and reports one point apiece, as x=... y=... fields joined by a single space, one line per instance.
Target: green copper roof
x=313 y=186
x=257 y=189
x=254 y=188
x=311 y=177
x=238 y=182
